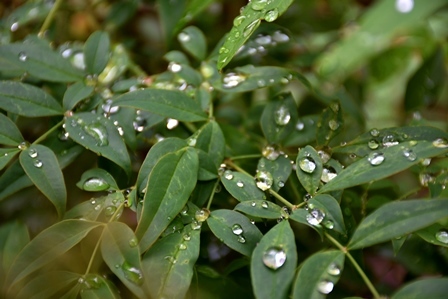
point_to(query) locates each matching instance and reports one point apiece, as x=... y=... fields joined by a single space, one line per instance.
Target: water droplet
x=223 y=50
x=182 y=246
x=184 y=37
x=171 y=123
x=133 y=242
x=285 y=212
x=240 y=184
x=307 y=164
x=375 y=158
x=253 y=204
x=328 y=224
x=139 y=123
x=202 y=215
x=241 y=239
x=81 y=280
x=300 y=125
x=192 y=141
x=333 y=124
x=228 y=175
x=274 y=258
x=271 y=15
x=263 y=39
x=425 y=179
x=231 y=80
x=270 y=153
x=409 y=154
x=325 y=287
x=264 y=204
x=109 y=211
x=23 y=145
x=324 y=156
x=328 y=174
x=38 y=163
x=426 y=161
x=185 y=210
x=281 y=184
x=404 y=6
x=186 y=237
x=334 y=269
x=282 y=116
x=132 y=274
x=174 y=67
x=389 y=140
x=14 y=26
x=237 y=229
x=108 y=107
x=95 y=184
x=195 y=225
x=258 y=4
x=264 y=180
x=23 y=56
x=373 y=144
x=440 y=143
x=249 y=29
x=374 y=133
x=315 y=216
x=32 y=153
x=280 y=37
x=98 y=132
x=238 y=20
x=442 y=236
x=170 y=259
x=97 y=207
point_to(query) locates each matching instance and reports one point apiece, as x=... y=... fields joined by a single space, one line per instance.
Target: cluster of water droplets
x=326 y=285
x=139 y=122
x=238 y=231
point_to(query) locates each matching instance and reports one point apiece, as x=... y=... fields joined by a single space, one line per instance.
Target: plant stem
x=43 y=136
x=93 y=255
x=49 y=18
x=245 y=157
x=356 y=265
x=213 y=194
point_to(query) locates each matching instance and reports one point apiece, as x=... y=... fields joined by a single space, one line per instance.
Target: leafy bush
x=302 y=155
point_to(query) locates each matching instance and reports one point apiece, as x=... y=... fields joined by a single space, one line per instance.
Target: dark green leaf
x=9 y=133
x=435 y=234
x=169 y=103
x=318 y=275
x=48 y=245
x=42 y=167
x=434 y=288
x=172 y=258
x=6 y=155
x=303 y=216
x=211 y=140
x=121 y=119
x=170 y=14
x=260 y=208
x=97 y=179
x=330 y=123
x=386 y=162
x=309 y=169
x=246 y=23
x=120 y=12
x=235 y=230
x=27 y=100
x=14 y=236
x=100 y=135
x=169 y=186
x=120 y=251
x=48 y=284
x=207 y=169
x=192 y=10
x=273 y=262
x=76 y=93
x=119 y=61
x=96 y=52
x=280 y=169
x=333 y=214
x=193 y=41
x=305 y=131
x=241 y=186
x=396 y=219
x=109 y=205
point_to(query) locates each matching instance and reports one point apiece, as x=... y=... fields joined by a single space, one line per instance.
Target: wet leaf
x=9 y=133
x=434 y=288
x=102 y=289
x=6 y=155
x=280 y=169
x=96 y=52
x=260 y=208
x=241 y=186
x=309 y=169
x=330 y=123
x=193 y=41
x=76 y=93
x=211 y=140
x=97 y=179
x=332 y=210
x=434 y=234
x=92 y=209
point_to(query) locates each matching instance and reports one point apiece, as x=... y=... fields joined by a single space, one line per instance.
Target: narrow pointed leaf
x=9 y=133
x=241 y=186
x=169 y=186
x=318 y=274
x=120 y=251
x=42 y=167
x=260 y=208
x=235 y=230
x=396 y=219
x=433 y=234
x=27 y=100
x=276 y=245
x=169 y=103
x=383 y=163
x=76 y=93
x=6 y=155
x=211 y=140
x=168 y=265
x=434 y=288
x=48 y=284
x=309 y=169
x=96 y=52
x=48 y=245
x=100 y=135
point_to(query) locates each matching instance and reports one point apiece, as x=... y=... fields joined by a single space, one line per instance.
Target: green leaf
x=273 y=262
x=96 y=52
x=330 y=123
x=9 y=133
x=333 y=214
x=207 y=169
x=6 y=155
x=246 y=23
x=39 y=61
x=15 y=179
x=309 y=169
x=156 y=152
x=97 y=179
x=172 y=258
x=121 y=119
x=279 y=118
x=260 y=208
x=48 y=245
x=193 y=41
x=169 y=103
x=14 y=236
x=280 y=169
x=100 y=135
x=235 y=230
x=170 y=14
x=120 y=251
x=241 y=186
x=97 y=287
x=76 y=93
x=48 y=284
x=42 y=167
x=27 y=100
x=434 y=234
x=396 y=219
x=119 y=61
x=434 y=288
x=211 y=140
x=383 y=163
x=304 y=132
x=92 y=209
x=27 y=13
x=169 y=186
x=192 y=10
x=302 y=216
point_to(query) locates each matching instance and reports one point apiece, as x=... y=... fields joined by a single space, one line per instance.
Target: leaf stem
x=356 y=265
x=213 y=194
x=245 y=157
x=43 y=136
x=49 y=18
x=93 y=255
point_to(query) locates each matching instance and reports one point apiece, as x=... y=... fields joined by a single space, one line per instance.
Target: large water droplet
x=333 y=124
x=32 y=153
x=374 y=132
x=184 y=37
x=108 y=107
x=231 y=80
x=274 y=257
x=38 y=163
x=237 y=229
x=389 y=140
x=409 y=154
x=373 y=144
x=334 y=269
x=264 y=180
x=133 y=242
x=280 y=37
x=202 y=215
x=258 y=4
x=442 y=236
x=263 y=39
x=315 y=216
x=241 y=239
x=228 y=175
x=270 y=153
x=325 y=287
x=14 y=26
x=440 y=143
x=238 y=20
x=174 y=67
x=264 y=204
x=271 y=15
x=375 y=158
x=95 y=184
x=98 y=132
x=282 y=116
x=307 y=164
x=328 y=174
x=249 y=29
x=132 y=274
x=240 y=184
x=404 y=6
x=23 y=56
x=171 y=123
